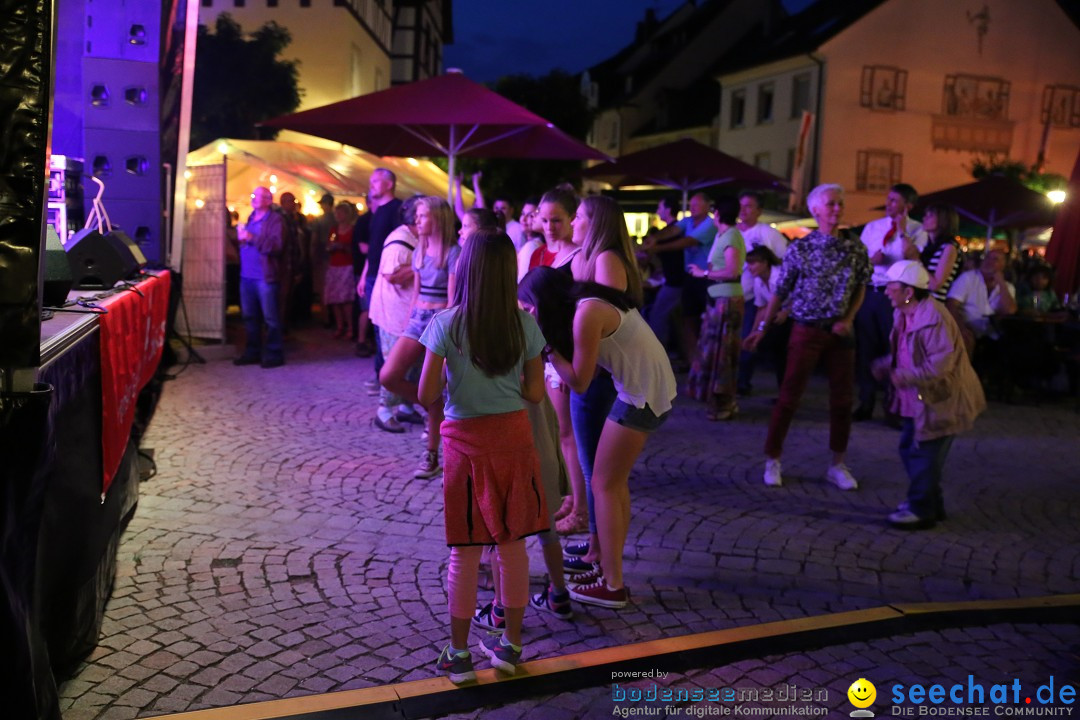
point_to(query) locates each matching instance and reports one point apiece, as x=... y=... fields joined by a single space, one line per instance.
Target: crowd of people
x=540 y=360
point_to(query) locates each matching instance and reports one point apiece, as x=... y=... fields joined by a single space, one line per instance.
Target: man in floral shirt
x=825 y=277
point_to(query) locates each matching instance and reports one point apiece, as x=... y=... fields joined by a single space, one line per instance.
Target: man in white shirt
x=893 y=238
x=513 y=227
x=755 y=234
x=984 y=293
x=390 y=301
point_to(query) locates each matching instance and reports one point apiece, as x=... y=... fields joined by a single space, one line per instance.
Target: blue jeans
x=588 y=412
x=873 y=323
x=380 y=358
x=258 y=305
x=668 y=300
x=747 y=359
x=924 y=461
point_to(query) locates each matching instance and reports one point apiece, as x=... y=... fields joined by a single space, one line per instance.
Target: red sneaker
x=585 y=578
x=598 y=593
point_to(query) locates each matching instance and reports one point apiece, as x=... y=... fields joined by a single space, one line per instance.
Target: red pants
x=807 y=346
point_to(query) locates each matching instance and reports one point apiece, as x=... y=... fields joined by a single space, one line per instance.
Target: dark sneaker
x=557 y=604
x=577 y=549
x=490 y=618
x=585 y=578
x=273 y=363
x=412 y=417
x=246 y=360
x=941 y=514
x=907 y=520
x=458 y=668
x=504 y=658
x=429 y=465
x=574 y=565
x=389 y=425
x=600 y=594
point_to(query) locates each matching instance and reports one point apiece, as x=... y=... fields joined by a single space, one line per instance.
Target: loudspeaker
x=131 y=245
x=57 y=283
x=100 y=261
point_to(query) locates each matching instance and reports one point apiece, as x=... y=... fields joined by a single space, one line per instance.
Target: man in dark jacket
x=261 y=239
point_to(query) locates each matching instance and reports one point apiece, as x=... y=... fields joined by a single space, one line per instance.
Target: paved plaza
x=992 y=654
x=284 y=548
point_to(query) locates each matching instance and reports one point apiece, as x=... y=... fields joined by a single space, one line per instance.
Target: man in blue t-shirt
x=694 y=235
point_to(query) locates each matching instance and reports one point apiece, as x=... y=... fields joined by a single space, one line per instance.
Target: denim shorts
x=640 y=419
x=418 y=322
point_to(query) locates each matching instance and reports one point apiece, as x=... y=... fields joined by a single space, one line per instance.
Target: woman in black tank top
x=941 y=256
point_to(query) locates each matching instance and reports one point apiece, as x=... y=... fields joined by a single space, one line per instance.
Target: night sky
x=493 y=38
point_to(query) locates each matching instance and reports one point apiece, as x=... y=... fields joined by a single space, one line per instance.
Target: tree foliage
x=556 y=97
x=1029 y=175
x=240 y=81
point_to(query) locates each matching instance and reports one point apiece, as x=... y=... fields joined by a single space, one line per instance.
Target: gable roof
x=656 y=44
x=794 y=35
x=806 y=31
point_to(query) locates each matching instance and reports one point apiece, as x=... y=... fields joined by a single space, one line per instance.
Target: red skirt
x=491 y=480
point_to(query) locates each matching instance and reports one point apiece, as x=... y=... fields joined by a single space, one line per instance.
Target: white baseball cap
x=909 y=272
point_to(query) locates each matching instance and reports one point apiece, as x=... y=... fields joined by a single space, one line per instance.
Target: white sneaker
x=772 y=473
x=841 y=477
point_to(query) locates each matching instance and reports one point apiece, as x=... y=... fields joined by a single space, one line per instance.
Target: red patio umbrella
x=685 y=165
x=1063 y=252
x=445 y=115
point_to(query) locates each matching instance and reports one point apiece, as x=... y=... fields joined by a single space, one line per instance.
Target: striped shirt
x=931 y=258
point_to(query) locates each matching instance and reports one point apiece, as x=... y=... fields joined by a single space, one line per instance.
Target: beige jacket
x=934 y=379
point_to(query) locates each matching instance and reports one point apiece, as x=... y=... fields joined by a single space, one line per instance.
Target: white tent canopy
x=309 y=171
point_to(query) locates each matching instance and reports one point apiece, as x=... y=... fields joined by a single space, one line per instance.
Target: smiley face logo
x=862 y=693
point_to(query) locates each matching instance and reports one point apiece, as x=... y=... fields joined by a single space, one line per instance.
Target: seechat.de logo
x=862 y=695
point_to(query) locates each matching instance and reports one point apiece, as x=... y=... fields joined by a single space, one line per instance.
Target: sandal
x=565 y=509
x=575 y=522
x=722 y=414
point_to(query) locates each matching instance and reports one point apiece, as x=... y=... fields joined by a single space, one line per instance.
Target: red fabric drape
x=1063 y=252
x=132 y=338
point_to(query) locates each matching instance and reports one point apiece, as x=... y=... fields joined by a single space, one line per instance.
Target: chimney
x=646 y=27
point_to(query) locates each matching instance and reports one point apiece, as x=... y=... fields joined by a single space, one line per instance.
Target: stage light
x=223 y=148
x=1056 y=196
x=200 y=203
x=413 y=161
x=273 y=179
x=273 y=189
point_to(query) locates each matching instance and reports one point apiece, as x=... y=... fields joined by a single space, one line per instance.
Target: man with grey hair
x=825 y=276
x=383 y=216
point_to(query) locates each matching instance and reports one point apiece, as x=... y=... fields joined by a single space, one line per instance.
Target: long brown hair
x=607 y=232
x=486 y=298
x=442 y=216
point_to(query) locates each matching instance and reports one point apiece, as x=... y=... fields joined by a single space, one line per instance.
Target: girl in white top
x=586 y=325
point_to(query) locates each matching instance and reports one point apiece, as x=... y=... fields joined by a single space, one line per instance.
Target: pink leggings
x=463 y=576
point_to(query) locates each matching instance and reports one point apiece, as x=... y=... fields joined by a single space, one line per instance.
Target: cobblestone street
x=284 y=548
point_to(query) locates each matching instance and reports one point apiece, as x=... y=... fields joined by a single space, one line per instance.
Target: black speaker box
x=57 y=283
x=100 y=261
